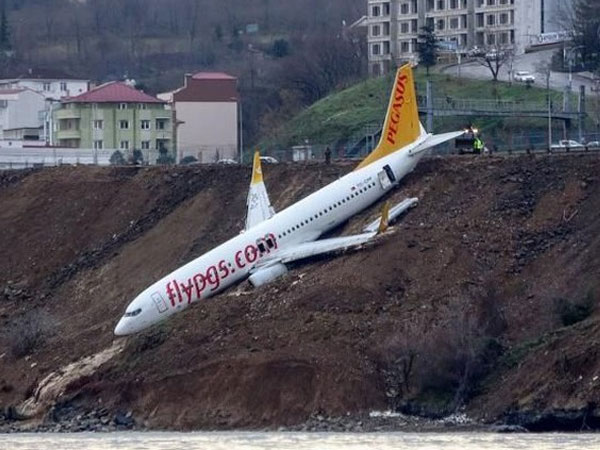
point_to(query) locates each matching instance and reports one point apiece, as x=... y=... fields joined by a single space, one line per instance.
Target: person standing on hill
x=327 y=155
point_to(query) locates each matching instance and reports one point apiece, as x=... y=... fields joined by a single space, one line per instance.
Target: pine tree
x=427 y=47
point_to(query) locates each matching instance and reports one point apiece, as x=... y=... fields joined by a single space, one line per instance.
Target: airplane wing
x=258 y=203
x=323 y=246
x=308 y=249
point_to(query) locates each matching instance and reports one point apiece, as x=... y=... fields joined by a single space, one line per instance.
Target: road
x=532 y=62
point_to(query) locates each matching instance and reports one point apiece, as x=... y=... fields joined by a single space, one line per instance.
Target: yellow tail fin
x=257 y=175
x=402 y=126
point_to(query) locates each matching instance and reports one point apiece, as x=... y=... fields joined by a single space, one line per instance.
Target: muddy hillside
x=483 y=299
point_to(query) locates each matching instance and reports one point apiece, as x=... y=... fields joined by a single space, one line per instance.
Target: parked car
x=593 y=144
x=269 y=160
x=524 y=76
x=226 y=161
x=565 y=144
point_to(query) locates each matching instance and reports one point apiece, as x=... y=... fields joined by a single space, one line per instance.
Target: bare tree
x=494 y=58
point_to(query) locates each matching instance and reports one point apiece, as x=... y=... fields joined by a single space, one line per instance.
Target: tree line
x=286 y=53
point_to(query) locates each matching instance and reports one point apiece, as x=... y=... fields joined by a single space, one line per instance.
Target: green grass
x=344 y=115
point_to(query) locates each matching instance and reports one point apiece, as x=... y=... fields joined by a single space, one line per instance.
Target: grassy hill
x=343 y=116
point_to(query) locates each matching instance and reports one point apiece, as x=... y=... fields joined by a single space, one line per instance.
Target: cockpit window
x=137 y=312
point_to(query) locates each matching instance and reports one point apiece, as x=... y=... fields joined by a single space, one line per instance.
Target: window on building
x=124 y=145
x=503 y=18
x=376 y=11
x=414 y=24
x=480 y=3
x=504 y=38
x=98 y=145
x=124 y=124
x=463 y=21
x=122 y=105
x=463 y=4
x=386 y=9
x=98 y=124
x=405 y=47
x=145 y=124
x=404 y=27
x=453 y=4
x=491 y=20
x=375 y=49
x=161 y=124
x=415 y=8
x=454 y=23
x=142 y=106
x=479 y=20
x=440 y=24
x=430 y=5
x=491 y=39
x=404 y=8
x=491 y=2
x=386 y=48
x=375 y=30
x=386 y=29
x=63 y=86
x=504 y=2
x=145 y=145
x=47 y=86
x=441 y=5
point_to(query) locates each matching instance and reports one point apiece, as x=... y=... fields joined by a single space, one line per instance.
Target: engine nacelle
x=267 y=274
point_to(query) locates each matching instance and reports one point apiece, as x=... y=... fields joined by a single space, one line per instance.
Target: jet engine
x=267 y=274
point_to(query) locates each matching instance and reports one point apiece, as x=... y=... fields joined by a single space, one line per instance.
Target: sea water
x=298 y=441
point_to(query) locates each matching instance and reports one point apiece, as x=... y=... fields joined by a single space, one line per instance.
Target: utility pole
x=548 y=72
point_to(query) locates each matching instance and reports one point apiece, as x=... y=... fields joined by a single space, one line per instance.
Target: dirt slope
x=476 y=288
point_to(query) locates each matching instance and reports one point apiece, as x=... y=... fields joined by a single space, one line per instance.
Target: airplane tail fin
x=401 y=126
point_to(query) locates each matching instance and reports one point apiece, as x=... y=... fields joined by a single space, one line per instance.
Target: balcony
x=68 y=134
x=63 y=113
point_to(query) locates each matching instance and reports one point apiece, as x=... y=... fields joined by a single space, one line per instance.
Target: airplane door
x=160 y=303
x=386 y=177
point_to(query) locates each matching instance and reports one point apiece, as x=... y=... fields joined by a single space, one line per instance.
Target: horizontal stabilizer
x=393 y=214
x=435 y=139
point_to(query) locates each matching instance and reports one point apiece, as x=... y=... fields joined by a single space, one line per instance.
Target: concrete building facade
x=20 y=110
x=460 y=25
x=207 y=113
x=115 y=116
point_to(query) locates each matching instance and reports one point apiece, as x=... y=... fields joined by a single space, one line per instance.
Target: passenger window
x=261 y=247
x=270 y=243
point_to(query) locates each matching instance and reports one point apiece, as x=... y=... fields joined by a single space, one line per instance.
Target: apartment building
x=115 y=116
x=394 y=26
x=207 y=109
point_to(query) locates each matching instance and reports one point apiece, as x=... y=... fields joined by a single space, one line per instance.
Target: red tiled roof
x=212 y=76
x=113 y=92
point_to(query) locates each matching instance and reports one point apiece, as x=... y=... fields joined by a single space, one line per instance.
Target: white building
x=20 y=109
x=394 y=26
x=206 y=110
x=51 y=84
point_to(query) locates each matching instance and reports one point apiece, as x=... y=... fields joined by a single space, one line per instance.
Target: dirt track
x=471 y=288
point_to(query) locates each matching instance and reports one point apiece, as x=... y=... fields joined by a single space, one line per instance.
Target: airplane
x=271 y=241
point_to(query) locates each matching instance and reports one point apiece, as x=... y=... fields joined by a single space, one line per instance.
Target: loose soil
x=480 y=283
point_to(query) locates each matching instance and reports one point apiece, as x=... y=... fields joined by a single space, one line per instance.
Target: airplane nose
x=121 y=328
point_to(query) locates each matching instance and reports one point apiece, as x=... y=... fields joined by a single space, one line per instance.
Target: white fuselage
x=232 y=261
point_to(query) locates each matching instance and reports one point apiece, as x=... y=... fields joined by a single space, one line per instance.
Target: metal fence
x=25 y=157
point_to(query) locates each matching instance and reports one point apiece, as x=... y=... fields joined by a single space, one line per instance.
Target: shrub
x=29 y=332
x=117 y=158
x=571 y=312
